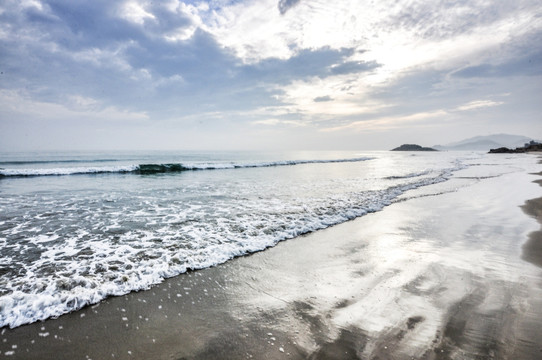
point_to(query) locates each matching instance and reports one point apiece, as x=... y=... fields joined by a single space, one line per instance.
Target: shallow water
x=102 y=227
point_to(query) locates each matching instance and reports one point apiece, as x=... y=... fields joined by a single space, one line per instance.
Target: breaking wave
x=149 y=169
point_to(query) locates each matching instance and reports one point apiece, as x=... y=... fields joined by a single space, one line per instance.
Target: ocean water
x=76 y=228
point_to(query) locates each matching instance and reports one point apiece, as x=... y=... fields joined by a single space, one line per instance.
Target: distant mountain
x=484 y=143
x=412 y=147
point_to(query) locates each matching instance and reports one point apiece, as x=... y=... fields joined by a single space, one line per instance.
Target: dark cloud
x=285 y=5
x=36 y=17
x=84 y=48
x=87 y=24
x=323 y=98
x=198 y=59
x=305 y=64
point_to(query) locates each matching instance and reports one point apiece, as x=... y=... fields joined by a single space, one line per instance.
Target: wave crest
x=149 y=169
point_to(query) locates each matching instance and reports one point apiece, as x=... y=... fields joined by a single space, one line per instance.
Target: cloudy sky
x=259 y=74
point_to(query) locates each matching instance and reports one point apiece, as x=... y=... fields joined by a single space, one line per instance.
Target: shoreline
x=433 y=277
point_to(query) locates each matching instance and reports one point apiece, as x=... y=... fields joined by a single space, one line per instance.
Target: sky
x=266 y=75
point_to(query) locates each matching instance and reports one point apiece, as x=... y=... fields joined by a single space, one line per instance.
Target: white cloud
x=401 y=121
x=82 y=103
x=75 y=108
x=32 y=4
x=188 y=11
x=135 y=12
x=402 y=38
x=348 y=95
x=106 y=58
x=255 y=30
x=275 y=122
x=180 y=34
x=477 y=104
x=389 y=122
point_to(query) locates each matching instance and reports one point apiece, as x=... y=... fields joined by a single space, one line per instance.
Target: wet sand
x=532 y=250
x=453 y=275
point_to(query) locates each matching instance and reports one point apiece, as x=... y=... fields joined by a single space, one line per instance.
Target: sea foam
x=82 y=266
x=146 y=169
x=65 y=248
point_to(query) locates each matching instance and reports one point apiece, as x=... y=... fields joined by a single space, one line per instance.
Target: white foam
x=25 y=172
x=101 y=258
x=67 y=170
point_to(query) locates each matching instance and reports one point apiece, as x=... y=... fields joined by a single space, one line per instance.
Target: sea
x=78 y=227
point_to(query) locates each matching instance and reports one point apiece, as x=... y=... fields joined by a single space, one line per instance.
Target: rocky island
x=413 y=147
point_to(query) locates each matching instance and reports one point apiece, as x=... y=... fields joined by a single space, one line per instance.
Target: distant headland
x=528 y=147
x=495 y=144
x=484 y=143
x=413 y=147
